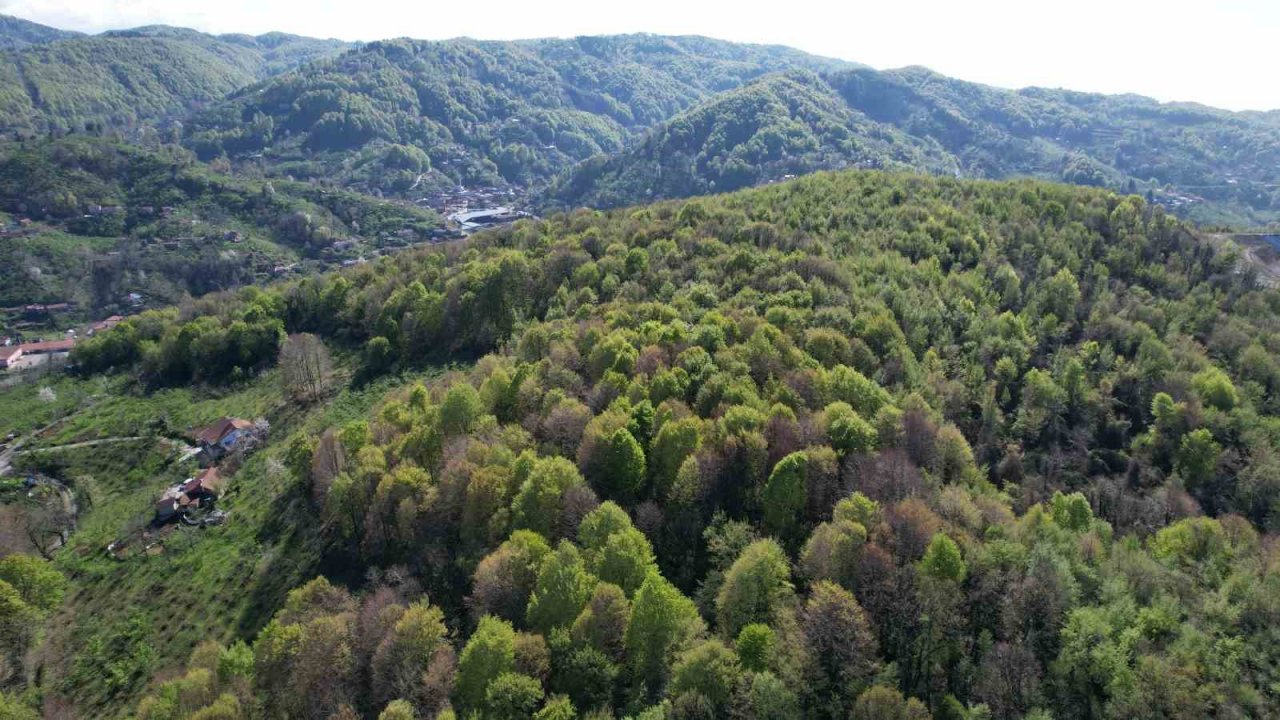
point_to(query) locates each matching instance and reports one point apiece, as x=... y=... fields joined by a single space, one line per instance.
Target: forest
x=913 y=118
x=816 y=391
x=61 y=82
x=857 y=445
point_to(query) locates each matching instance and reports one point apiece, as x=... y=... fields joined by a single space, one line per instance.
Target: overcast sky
x=1218 y=52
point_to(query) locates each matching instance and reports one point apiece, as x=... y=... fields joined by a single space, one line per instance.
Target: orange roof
x=50 y=346
x=215 y=432
x=108 y=323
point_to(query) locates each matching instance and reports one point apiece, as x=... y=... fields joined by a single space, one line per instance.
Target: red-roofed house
x=223 y=436
x=51 y=346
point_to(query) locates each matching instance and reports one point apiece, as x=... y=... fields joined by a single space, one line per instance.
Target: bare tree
x=305 y=366
x=50 y=521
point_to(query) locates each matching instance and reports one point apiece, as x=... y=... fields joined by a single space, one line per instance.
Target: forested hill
x=861 y=445
x=1208 y=164
x=125 y=78
x=781 y=125
x=16 y=32
x=112 y=219
x=619 y=120
x=465 y=111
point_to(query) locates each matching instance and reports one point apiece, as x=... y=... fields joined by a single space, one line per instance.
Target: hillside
x=16 y=33
x=398 y=114
x=127 y=78
x=619 y=120
x=856 y=445
x=91 y=220
x=778 y=126
x=1210 y=165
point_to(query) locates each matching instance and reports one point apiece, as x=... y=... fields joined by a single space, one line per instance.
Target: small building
x=9 y=356
x=227 y=435
x=194 y=493
x=107 y=324
x=48 y=347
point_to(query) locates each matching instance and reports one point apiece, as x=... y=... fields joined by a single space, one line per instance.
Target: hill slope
x=465 y=111
x=16 y=33
x=1210 y=164
x=126 y=78
x=112 y=219
x=950 y=432
x=775 y=127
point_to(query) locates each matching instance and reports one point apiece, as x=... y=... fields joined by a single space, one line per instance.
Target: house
x=227 y=435
x=194 y=493
x=48 y=347
x=9 y=356
x=107 y=324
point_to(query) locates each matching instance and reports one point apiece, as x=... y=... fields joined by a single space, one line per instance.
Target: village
x=20 y=351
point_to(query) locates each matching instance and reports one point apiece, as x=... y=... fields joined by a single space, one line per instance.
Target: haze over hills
x=623 y=119
x=16 y=32
x=126 y=79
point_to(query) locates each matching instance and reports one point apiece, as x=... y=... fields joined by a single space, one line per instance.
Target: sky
x=1218 y=52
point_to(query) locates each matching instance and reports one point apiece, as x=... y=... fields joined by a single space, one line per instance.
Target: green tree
x=460 y=409
x=757 y=585
x=1215 y=389
x=36 y=581
x=675 y=441
x=622 y=472
x=662 y=620
x=398 y=710
x=537 y=504
x=709 y=669
x=626 y=560
x=784 y=495
x=512 y=696
x=1198 y=457
x=562 y=590
x=943 y=561
x=755 y=646
x=489 y=653
x=849 y=433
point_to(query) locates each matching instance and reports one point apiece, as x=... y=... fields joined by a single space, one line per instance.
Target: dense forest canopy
x=16 y=33
x=857 y=445
x=1212 y=165
x=886 y=442
x=127 y=79
x=475 y=111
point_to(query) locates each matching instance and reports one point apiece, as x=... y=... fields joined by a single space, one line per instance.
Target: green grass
x=126 y=621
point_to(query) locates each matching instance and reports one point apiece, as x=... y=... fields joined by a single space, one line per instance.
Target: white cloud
x=1218 y=53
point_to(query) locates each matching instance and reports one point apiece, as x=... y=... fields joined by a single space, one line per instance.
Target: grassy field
x=128 y=621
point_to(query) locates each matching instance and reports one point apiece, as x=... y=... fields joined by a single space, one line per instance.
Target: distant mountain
x=1211 y=164
x=17 y=33
x=397 y=114
x=616 y=120
x=124 y=78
